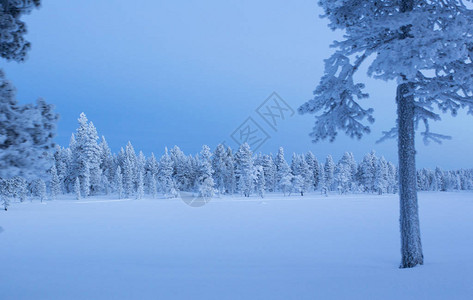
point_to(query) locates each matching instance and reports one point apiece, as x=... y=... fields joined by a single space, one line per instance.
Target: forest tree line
x=88 y=167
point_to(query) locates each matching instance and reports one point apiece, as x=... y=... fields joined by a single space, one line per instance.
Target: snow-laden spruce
x=427 y=48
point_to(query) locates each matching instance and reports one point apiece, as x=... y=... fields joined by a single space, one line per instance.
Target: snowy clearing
x=310 y=247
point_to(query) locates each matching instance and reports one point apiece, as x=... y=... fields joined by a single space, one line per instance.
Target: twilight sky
x=160 y=73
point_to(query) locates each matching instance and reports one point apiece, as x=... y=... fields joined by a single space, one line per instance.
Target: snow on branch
x=335 y=101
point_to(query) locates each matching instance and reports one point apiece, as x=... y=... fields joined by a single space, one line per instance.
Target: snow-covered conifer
x=260 y=181
x=140 y=188
x=219 y=168
x=282 y=170
x=77 y=188
x=205 y=180
x=329 y=170
x=118 y=186
x=55 y=183
x=381 y=176
x=165 y=175
x=245 y=171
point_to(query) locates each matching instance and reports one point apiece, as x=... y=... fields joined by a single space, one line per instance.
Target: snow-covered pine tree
x=165 y=175
x=205 y=180
x=343 y=174
x=152 y=189
x=367 y=171
x=381 y=176
x=260 y=182
x=425 y=46
x=286 y=184
x=55 y=183
x=107 y=165
x=282 y=171
x=392 y=179
x=245 y=171
x=151 y=172
x=41 y=189
x=62 y=161
x=85 y=183
x=118 y=185
x=6 y=192
x=128 y=169
x=77 y=188
x=313 y=165
x=182 y=170
x=19 y=188
x=322 y=184
x=301 y=168
x=297 y=184
x=329 y=170
x=86 y=157
x=269 y=169
x=219 y=167
x=230 y=180
x=140 y=190
x=140 y=167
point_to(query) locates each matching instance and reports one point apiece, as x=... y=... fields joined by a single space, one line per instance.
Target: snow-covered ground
x=311 y=247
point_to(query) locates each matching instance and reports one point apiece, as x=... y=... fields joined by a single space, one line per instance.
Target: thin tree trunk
x=411 y=247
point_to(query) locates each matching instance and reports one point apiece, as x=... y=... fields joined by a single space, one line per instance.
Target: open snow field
x=311 y=247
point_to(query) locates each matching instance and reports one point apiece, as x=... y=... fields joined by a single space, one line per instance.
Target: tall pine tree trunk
x=411 y=247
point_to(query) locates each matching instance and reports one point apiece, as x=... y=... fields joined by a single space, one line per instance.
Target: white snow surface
x=311 y=247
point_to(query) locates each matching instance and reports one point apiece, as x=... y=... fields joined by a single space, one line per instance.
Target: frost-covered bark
x=411 y=247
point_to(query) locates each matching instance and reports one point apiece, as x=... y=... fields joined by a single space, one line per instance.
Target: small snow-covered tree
x=77 y=188
x=329 y=170
x=6 y=192
x=19 y=187
x=219 y=168
x=381 y=176
x=140 y=188
x=107 y=166
x=300 y=168
x=322 y=184
x=230 y=180
x=343 y=174
x=285 y=184
x=165 y=175
x=313 y=164
x=367 y=172
x=152 y=185
x=55 y=183
x=260 y=182
x=205 y=179
x=245 y=169
x=41 y=189
x=297 y=183
x=282 y=170
x=128 y=177
x=118 y=186
x=392 y=179
x=269 y=170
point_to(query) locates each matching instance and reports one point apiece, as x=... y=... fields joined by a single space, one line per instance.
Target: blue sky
x=160 y=73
